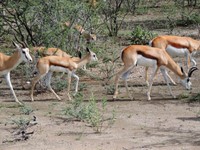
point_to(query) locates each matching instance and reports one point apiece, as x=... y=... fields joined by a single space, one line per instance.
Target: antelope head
x=24 y=52
x=186 y=81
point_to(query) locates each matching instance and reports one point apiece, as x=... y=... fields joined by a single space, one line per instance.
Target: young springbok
x=48 y=65
x=8 y=63
x=88 y=36
x=152 y=57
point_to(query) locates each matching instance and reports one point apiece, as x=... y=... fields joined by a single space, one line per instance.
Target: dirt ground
x=160 y=124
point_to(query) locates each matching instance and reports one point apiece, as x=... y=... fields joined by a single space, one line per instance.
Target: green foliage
x=192 y=18
x=195 y=98
x=26 y=110
x=183 y=96
x=141 y=35
x=59 y=82
x=42 y=22
x=110 y=89
x=21 y=122
x=142 y=10
x=91 y=112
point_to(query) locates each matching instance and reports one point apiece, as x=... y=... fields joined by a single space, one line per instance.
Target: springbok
x=38 y=52
x=88 y=36
x=48 y=65
x=43 y=52
x=176 y=46
x=8 y=63
x=150 y=57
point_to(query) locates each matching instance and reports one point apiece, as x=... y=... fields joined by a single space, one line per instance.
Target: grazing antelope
x=176 y=46
x=8 y=63
x=152 y=57
x=48 y=65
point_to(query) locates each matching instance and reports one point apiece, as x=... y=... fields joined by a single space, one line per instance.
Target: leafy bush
x=90 y=113
x=195 y=98
x=21 y=122
x=59 y=81
x=193 y=18
x=26 y=110
x=141 y=35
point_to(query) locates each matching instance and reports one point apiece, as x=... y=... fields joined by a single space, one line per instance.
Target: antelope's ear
x=182 y=70
x=16 y=45
x=87 y=49
x=79 y=54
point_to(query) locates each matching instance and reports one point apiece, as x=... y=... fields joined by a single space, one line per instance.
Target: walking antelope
x=48 y=65
x=8 y=63
x=38 y=52
x=152 y=57
x=176 y=46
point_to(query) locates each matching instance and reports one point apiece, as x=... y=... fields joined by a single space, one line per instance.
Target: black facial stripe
x=188 y=79
x=25 y=55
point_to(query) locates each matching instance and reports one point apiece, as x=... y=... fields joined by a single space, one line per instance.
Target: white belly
x=58 y=69
x=176 y=52
x=143 y=61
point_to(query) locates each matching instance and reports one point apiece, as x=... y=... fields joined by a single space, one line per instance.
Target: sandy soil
x=161 y=124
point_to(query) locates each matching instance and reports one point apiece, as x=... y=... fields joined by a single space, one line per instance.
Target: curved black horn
x=24 y=44
x=191 y=71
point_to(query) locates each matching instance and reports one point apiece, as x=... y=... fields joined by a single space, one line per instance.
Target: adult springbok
x=176 y=46
x=150 y=57
x=48 y=65
x=8 y=63
x=38 y=52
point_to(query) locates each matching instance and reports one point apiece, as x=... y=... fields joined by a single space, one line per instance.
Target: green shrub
x=89 y=112
x=195 y=98
x=21 y=122
x=26 y=110
x=141 y=35
x=193 y=18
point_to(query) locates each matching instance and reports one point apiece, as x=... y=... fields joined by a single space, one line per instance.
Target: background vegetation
x=116 y=23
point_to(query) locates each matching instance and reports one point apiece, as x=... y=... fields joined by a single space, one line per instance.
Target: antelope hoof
x=173 y=83
x=69 y=97
x=19 y=103
x=74 y=94
x=59 y=98
x=32 y=99
x=114 y=96
x=148 y=95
